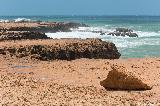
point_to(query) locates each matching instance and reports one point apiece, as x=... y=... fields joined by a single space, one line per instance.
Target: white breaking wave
x=22 y=20
x=145 y=38
x=108 y=30
x=17 y=20
x=76 y=34
x=147 y=34
x=92 y=29
x=4 y=21
x=133 y=42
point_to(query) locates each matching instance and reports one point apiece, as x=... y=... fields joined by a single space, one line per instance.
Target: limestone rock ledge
x=44 y=27
x=62 y=49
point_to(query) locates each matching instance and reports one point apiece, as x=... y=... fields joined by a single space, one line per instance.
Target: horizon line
x=76 y=15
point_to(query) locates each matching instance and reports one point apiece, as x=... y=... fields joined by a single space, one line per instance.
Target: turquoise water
x=147 y=27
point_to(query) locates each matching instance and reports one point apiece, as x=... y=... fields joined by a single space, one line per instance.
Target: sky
x=79 y=7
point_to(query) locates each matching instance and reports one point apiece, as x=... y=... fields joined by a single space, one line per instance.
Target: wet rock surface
x=121 y=79
x=64 y=49
x=123 y=32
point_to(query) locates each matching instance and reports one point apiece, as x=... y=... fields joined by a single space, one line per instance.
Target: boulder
x=119 y=78
x=123 y=32
x=102 y=33
x=133 y=35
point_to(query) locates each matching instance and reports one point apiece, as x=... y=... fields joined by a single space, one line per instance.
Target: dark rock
x=72 y=49
x=16 y=35
x=111 y=33
x=133 y=35
x=123 y=32
x=102 y=33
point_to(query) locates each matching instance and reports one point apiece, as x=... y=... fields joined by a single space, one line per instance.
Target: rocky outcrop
x=40 y=26
x=16 y=35
x=123 y=32
x=33 y=30
x=64 y=49
x=119 y=78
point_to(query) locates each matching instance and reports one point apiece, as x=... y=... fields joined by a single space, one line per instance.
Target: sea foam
x=22 y=20
x=16 y=20
x=4 y=21
x=121 y=42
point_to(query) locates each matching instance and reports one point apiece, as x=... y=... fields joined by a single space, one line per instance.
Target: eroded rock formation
x=65 y=49
x=123 y=32
x=40 y=26
x=33 y=30
x=119 y=78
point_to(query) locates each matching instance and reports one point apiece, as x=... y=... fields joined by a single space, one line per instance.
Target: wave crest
x=22 y=20
x=17 y=20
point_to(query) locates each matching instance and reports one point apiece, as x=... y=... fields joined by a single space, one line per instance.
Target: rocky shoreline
x=48 y=49
x=34 y=30
x=37 y=70
x=44 y=27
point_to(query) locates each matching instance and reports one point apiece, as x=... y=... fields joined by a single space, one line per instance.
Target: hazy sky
x=79 y=7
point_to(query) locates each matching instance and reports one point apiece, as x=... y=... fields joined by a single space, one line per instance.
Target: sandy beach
x=77 y=82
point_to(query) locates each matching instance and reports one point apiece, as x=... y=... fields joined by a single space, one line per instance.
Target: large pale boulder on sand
x=119 y=78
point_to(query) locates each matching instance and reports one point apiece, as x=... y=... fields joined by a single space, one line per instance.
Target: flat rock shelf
x=61 y=49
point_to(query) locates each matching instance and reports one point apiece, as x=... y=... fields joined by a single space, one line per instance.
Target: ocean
x=147 y=28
